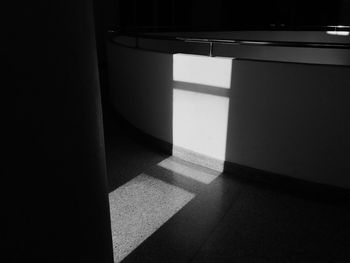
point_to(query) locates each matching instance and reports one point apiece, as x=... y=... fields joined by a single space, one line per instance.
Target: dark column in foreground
x=56 y=196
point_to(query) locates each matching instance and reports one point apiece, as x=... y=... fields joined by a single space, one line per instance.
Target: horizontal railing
x=249 y=42
x=290 y=50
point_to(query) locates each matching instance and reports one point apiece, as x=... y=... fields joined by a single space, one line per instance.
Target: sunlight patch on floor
x=139 y=207
x=189 y=170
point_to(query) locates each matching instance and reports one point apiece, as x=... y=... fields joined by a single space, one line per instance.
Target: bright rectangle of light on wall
x=201 y=103
x=210 y=71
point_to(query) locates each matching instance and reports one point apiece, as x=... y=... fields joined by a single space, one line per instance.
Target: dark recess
x=56 y=202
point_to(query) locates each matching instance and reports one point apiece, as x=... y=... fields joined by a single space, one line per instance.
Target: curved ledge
x=241 y=172
x=284 y=118
x=311 y=48
x=251 y=42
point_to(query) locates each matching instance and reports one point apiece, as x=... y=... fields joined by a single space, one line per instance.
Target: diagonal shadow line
x=177 y=179
x=201 y=88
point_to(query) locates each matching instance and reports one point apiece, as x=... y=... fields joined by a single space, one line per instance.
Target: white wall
x=142 y=89
x=291 y=119
x=287 y=118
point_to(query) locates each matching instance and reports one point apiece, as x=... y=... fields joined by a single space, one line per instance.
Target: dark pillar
x=56 y=196
x=106 y=18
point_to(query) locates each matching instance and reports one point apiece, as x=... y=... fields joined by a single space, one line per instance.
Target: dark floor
x=230 y=219
x=127 y=153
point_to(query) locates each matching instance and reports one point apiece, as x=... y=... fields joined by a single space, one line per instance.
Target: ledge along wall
x=287 y=118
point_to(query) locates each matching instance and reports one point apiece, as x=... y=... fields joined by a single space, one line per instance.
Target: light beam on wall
x=201 y=103
x=210 y=71
x=339 y=30
x=338 y=33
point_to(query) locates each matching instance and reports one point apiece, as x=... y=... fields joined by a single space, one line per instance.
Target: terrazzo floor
x=139 y=208
x=143 y=204
x=190 y=170
x=177 y=213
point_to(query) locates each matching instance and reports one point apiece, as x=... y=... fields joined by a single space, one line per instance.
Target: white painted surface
x=200 y=122
x=210 y=71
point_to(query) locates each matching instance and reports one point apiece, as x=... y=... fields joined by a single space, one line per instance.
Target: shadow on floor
x=230 y=219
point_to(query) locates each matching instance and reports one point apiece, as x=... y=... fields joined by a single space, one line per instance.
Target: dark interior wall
x=106 y=17
x=206 y=13
x=56 y=207
x=290 y=119
x=228 y=14
x=343 y=11
x=157 y=13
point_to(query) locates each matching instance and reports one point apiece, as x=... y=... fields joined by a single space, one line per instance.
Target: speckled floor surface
x=230 y=219
x=139 y=208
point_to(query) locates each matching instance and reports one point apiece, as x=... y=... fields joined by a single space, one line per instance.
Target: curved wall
x=286 y=118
